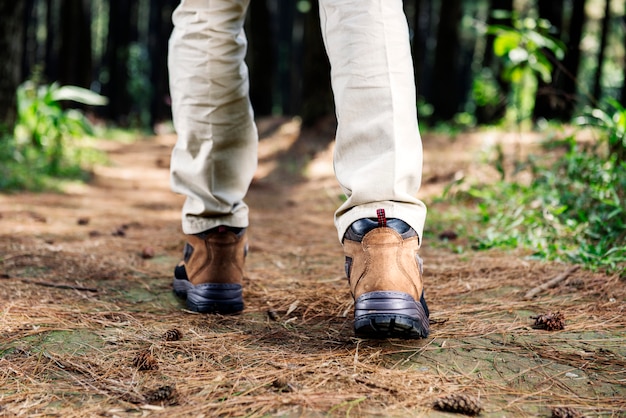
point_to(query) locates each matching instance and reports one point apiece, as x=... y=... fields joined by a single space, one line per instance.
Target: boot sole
x=222 y=298
x=390 y=315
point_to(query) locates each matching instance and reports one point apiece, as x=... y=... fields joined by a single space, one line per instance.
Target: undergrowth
x=49 y=143
x=573 y=209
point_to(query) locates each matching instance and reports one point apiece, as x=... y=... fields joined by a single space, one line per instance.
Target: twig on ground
x=56 y=285
x=550 y=283
x=10 y=257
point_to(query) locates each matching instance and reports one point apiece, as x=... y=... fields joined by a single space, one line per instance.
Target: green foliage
x=139 y=86
x=526 y=49
x=575 y=218
x=46 y=140
x=573 y=210
x=485 y=89
x=612 y=126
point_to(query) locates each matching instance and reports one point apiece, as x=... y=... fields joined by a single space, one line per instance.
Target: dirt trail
x=89 y=326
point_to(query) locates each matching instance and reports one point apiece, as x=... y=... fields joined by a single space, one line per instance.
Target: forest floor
x=89 y=325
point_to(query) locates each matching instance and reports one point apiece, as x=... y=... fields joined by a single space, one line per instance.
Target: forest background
x=554 y=66
x=118 y=49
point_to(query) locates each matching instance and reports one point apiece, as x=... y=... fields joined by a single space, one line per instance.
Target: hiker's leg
x=378 y=162
x=215 y=156
x=378 y=153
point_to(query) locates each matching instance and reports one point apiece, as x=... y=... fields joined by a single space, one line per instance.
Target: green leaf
x=506 y=42
x=501 y=14
x=79 y=95
x=516 y=75
x=518 y=55
x=544 y=71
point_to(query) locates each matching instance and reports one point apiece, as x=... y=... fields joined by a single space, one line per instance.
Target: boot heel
x=222 y=298
x=387 y=314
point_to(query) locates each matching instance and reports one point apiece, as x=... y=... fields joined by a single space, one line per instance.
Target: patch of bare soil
x=89 y=325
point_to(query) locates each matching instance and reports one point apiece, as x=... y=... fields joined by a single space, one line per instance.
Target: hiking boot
x=210 y=276
x=385 y=276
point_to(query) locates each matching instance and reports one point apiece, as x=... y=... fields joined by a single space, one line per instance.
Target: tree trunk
x=285 y=19
x=75 y=49
x=425 y=36
x=160 y=28
x=11 y=44
x=571 y=62
x=412 y=10
x=623 y=92
x=29 y=49
x=317 y=96
x=261 y=57
x=445 y=97
x=606 y=21
x=549 y=101
x=122 y=32
x=51 y=69
x=492 y=112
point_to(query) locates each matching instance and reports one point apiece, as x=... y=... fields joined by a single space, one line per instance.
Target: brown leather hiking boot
x=385 y=276
x=210 y=276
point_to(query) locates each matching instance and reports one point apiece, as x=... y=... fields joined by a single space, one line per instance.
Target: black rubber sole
x=210 y=297
x=390 y=315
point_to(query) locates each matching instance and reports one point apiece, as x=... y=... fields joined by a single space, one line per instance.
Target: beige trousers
x=378 y=151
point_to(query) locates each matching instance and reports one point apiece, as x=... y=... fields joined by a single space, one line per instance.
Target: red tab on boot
x=382 y=219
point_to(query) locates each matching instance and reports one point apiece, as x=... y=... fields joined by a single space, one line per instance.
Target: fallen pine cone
x=459 y=403
x=161 y=395
x=550 y=321
x=119 y=232
x=147 y=253
x=272 y=315
x=145 y=361
x=173 y=334
x=282 y=385
x=563 y=412
x=448 y=235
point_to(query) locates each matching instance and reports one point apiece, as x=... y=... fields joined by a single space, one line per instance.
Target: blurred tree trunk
x=295 y=65
x=285 y=18
x=160 y=28
x=11 y=44
x=261 y=57
x=623 y=91
x=424 y=24
x=549 y=101
x=52 y=51
x=317 y=96
x=620 y=149
x=412 y=12
x=571 y=62
x=30 y=25
x=606 y=21
x=445 y=98
x=122 y=32
x=75 y=63
x=499 y=14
